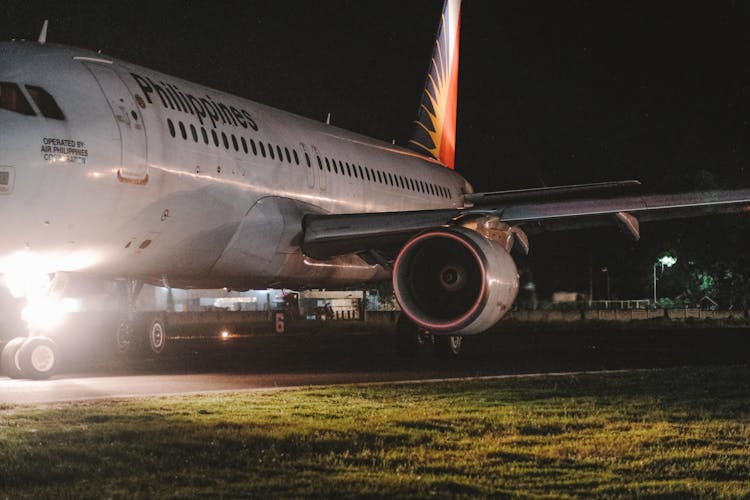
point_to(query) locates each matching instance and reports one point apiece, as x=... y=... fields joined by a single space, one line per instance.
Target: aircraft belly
x=270 y=229
x=180 y=234
x=265 y=251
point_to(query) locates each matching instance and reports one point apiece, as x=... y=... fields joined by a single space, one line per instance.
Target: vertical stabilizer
x=435 y=127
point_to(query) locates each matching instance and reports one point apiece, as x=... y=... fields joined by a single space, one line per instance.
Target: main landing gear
x=410 y=338
x=139 y=332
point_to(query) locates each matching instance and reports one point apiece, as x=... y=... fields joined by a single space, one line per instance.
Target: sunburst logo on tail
x=435 y=127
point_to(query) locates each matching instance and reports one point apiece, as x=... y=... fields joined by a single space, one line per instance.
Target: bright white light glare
x=668 y=260
x=44 y=313
x=22 y=283
x=29 y=274
x=26 y=273
x=225 y=334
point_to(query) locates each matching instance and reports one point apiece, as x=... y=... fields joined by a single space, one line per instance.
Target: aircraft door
x=133 y=168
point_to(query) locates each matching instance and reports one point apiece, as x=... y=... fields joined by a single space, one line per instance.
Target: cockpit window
x=45 y=102
x=12 y=99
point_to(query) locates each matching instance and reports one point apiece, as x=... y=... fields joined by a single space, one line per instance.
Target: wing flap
x=598 y=189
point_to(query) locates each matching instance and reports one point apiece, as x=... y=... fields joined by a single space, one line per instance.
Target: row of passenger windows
x=13 y=99
x=290 y=155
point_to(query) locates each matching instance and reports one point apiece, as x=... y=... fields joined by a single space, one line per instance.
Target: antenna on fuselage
x=43 y=33
x=328 y=118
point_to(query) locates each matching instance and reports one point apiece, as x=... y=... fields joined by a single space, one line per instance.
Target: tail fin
x=435 y=127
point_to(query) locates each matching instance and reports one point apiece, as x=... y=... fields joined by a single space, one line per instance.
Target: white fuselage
x=157 y=178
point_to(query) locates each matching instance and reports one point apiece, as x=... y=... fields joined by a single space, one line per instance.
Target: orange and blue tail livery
x=435 y=127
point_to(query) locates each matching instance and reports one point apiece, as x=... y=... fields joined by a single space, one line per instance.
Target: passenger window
x=320 y=164
x=244 y=144
x=194 y=132
x=270 y=151
x=280 y=156
x=12 y=99
x=183 y=132
x=225 y=140
x=252 y=145
x=262 y=149
x=171 y=127
x=45 y=102
x=307 y=159
x=216 y=138
x=234 y=143
x=205 y=135
x=288 y=156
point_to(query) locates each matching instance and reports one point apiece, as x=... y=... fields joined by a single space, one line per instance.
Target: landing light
x=43 y=314
x=224 y=334
x=27 y=272
x=29 y=275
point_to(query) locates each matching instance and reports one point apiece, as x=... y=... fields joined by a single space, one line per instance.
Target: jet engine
x=453 y=280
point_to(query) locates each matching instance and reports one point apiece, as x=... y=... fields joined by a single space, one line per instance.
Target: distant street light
x=665 y=260
x=606 y=275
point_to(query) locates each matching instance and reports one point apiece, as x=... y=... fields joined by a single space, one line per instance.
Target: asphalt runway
x=279 y=361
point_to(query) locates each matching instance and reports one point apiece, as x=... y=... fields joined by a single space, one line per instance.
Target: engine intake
x=454 y=281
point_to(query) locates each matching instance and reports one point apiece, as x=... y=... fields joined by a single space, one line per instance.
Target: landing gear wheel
x=38 y=358
x=124 y=337
x=157 y=336
x=408 y=337
x=447 y=346
x=9 y=358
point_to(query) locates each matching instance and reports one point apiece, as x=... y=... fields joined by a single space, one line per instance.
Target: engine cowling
x=455 y=281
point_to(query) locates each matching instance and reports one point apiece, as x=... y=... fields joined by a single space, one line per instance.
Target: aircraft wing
x=384 y=233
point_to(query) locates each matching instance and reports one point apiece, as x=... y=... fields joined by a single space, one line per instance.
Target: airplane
x=110 y=170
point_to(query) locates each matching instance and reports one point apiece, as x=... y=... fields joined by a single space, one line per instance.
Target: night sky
x=550 y=92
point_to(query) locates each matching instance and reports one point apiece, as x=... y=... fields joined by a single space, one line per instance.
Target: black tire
x=156 y=336
x=9 y=358
x=408 y=337
x=38 y=358
x=447 y=346
x=124 y=339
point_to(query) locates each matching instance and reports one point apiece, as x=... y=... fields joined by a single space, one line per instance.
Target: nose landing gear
x=30 y=357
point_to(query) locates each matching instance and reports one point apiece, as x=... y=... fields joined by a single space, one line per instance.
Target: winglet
x=435 y=127
x=43 y=33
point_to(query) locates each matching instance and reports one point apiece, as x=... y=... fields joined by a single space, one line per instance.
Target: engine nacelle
x=454 y=281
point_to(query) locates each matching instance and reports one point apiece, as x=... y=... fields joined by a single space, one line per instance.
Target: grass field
x=677 y=432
